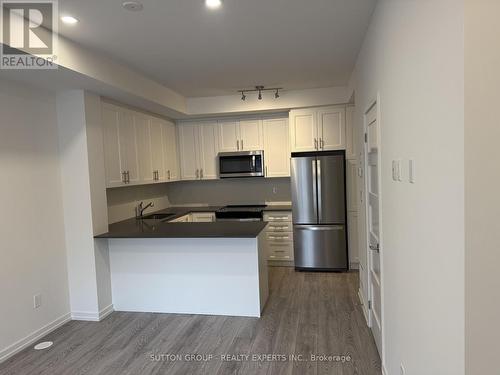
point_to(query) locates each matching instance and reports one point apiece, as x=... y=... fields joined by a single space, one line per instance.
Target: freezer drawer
x=321 y=247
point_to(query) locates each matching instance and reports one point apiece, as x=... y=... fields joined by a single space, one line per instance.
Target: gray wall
x=230 y=191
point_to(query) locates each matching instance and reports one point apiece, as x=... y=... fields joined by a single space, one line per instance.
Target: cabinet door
x=143 y=148
x=170 y=151
x=188 y=134
x=331 y=128
x=128 y=146
x=303 y=130
x=251 y=135
x=208 y=150
x=276 y=148
x=229 y=135
x=157 y=149
x=113 y=164
x=350 y=131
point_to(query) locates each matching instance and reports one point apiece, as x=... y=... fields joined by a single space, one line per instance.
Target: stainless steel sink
x=158 y=217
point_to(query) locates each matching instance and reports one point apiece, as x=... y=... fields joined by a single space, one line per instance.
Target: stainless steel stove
x=241 y=213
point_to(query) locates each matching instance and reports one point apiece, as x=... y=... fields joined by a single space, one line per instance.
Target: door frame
x=374 y=102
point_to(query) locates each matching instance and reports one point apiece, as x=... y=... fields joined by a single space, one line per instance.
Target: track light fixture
x=260 y=89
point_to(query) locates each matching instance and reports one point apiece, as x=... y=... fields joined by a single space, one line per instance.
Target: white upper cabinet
x=208 y=148
x=229 y=135
x=115 y=167
x=251 y=135
x=351 y=138
x=198 y=143
x=240 y=135
x=318 y=129
x=128 y=147
x=303 y=130
x=170 y=151
x=276 y=147
x=156 y=144
x=138 y=148
x=188 y=139
x=142 y=123
x=331 y=128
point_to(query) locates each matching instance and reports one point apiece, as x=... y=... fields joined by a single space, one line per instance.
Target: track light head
x=243 y=96
x=277 y=94
x=260 y=95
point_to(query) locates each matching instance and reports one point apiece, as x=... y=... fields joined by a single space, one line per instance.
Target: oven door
x=241 y=164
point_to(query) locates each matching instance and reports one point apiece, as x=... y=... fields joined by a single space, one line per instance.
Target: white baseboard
x=364 y=306
x=89 y=316
x=33 y=337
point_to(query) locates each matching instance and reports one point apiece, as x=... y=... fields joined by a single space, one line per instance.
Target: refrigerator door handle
x=318 y=184
x=315 y=184
x=319 y=227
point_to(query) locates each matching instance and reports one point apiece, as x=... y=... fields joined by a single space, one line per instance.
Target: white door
x=251 y=135
x=188 y=151
x=372 y=151
x=303 y=130
x=208 y=150
x=141 y=123
x=128 y=146
x=157 y=149
x=170 y=151
x=276 y=148
x=113 y=163
x=331 y=128
x=229 y=135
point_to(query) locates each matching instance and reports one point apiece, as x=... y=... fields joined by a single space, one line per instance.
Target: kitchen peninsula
x=214 y=268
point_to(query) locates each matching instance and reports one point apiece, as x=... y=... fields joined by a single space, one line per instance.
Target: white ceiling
x=295 y=44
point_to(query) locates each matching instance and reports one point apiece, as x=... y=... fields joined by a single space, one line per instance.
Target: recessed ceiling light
x=133 y=6
x=69 y=20
x=213 y=4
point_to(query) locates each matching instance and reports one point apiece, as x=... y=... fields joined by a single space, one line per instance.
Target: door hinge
x=369 y=305
x=366 y=137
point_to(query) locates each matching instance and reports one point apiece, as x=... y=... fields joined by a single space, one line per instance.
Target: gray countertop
x=137 y=228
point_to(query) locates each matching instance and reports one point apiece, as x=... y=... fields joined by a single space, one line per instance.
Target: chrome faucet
x=139 y=210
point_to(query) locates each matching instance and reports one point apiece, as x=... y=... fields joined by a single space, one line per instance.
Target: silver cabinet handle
x=242 y=144
x=124 y=177
x=238 y=144
x=127 y=177
x=169 y=174
x=321 y=143
x=201 y=173
x=375 y=247
x=315 y=143
x=197 y=173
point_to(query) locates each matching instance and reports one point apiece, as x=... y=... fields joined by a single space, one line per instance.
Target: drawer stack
x=279 y=235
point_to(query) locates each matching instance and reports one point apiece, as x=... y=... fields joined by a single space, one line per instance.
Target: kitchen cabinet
x=279 y=237
x=276 y=147
x=198 y=143
x=240 y=135
x=170 y=151
x=138 y=148
x=318 y=129
x=120 y=147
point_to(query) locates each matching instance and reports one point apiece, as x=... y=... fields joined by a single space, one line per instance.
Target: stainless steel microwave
x=241 y=164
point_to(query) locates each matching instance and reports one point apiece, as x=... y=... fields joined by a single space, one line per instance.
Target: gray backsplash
x=230 y=191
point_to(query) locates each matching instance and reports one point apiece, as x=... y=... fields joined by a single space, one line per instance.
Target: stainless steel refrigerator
x=319 y=211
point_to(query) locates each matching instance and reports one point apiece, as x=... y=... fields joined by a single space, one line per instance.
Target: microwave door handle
x=253 y=163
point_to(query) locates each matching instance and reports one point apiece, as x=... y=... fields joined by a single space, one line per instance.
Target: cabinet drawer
x=279 y=227
x=278 y=216
x=283 y=252
x=285 y=237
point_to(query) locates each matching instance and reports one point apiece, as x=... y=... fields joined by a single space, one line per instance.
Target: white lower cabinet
x=279 y=236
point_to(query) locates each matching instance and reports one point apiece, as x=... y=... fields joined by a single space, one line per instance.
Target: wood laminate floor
x=307 y=313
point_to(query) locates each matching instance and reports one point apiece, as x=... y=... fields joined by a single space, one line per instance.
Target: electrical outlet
x=402 y=370
x=37 y=301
